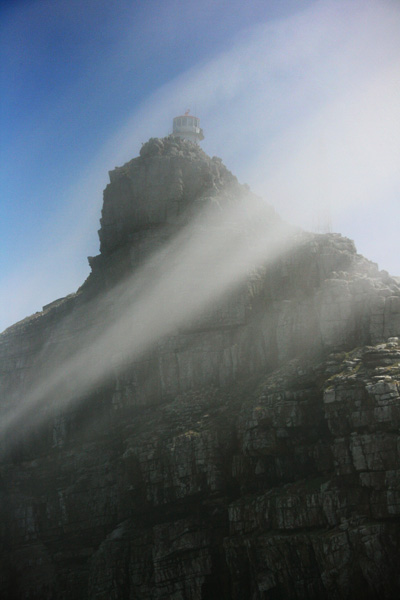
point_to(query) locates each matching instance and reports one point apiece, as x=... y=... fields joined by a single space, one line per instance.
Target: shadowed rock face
x=251 y=453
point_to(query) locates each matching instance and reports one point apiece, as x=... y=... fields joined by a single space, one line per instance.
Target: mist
x=304 y=108
x=208 y=259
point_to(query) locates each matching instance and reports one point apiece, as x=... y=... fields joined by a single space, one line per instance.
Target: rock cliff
x=248 y=448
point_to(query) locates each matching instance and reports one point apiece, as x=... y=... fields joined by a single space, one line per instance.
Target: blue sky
x=300 y=99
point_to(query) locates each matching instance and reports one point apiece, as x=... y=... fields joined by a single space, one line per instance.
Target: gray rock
x=253 y=452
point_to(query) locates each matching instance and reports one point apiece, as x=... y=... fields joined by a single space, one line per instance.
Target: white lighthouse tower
x=187 y=127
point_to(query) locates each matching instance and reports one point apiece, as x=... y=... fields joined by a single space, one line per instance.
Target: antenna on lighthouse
x=187 y=127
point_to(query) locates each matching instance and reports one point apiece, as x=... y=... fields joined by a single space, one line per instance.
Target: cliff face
x=250 y=451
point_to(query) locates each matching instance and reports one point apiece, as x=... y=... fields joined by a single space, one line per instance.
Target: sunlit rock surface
x=251 y=452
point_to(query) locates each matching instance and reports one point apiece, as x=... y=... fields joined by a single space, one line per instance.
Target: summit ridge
x=211 y=415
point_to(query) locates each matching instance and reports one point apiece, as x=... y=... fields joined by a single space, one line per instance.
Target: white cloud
x=305 y=109
x=209 y=258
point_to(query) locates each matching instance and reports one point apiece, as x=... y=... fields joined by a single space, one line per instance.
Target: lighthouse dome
x=187 y=127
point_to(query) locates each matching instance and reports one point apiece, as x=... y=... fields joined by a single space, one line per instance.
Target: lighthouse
x=187 y=127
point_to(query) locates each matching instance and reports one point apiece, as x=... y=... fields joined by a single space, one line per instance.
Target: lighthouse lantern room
x=187 y=127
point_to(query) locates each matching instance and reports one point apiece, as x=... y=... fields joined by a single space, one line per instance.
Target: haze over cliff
x=214 y=413
x=301 y=99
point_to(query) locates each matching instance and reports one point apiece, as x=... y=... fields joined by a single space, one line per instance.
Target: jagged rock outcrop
x=250 y=452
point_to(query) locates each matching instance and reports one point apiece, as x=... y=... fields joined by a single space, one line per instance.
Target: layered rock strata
x=250 y=452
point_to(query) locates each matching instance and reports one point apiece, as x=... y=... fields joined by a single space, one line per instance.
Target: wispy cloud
x=305 y=109
x=208 y=259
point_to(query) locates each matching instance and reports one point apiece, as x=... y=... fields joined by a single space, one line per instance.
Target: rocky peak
x=170 y=177
x=251 y=452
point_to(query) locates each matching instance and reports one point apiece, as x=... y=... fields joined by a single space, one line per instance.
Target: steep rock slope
x=250 y=450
